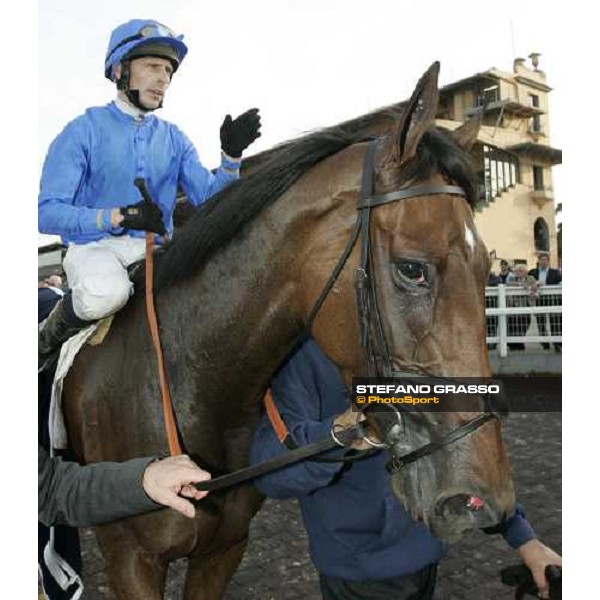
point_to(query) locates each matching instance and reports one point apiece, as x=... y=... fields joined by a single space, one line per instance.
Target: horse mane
x=266 y=176
x=375 y=123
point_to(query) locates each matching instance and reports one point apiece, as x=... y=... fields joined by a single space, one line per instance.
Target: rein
x=344 y=438
x=167 y=402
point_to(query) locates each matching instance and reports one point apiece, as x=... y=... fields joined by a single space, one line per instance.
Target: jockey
x=87 y=193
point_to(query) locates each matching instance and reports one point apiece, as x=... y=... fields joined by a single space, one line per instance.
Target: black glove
x=237 y=135
x=144 y=216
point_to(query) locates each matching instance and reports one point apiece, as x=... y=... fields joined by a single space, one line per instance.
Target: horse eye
x=414 y=271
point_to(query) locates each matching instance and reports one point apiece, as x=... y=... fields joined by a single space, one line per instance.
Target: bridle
x=369 y=318
x=370 y=324
x=394 y=436
x=372 y=336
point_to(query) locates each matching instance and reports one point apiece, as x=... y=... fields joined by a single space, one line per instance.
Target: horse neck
x=241 y=314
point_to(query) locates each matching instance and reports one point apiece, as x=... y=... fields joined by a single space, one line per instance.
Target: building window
x=541 y=235
x=536 y=123
x=538 y=178
x=488 y=95
x=500 y=171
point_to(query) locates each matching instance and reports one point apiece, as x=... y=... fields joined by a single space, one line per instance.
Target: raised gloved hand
x=144 y=216
x=238 y=134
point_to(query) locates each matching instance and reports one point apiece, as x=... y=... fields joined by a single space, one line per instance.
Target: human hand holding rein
x=165 y=481
x=350 y=418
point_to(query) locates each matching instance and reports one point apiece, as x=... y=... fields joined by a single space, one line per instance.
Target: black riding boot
x=61 y=324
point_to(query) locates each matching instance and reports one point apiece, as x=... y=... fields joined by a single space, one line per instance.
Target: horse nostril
x=459 y=505
x=475 y=503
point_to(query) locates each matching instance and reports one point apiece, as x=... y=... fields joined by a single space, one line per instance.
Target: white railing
x=515 y=317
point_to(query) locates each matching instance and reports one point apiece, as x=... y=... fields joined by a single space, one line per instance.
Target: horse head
x=428 y=269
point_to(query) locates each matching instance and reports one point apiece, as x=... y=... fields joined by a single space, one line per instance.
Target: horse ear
x=466 y=134
x=418 y=117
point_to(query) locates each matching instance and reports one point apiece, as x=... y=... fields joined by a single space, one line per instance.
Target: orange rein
x=167 y=403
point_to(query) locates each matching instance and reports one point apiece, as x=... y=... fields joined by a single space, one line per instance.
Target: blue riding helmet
x=131 y=38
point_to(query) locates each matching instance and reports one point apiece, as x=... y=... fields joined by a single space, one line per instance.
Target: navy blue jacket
x=47 y=300
x=356 y=528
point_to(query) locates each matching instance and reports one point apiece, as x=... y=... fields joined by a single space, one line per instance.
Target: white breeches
x=97 y=274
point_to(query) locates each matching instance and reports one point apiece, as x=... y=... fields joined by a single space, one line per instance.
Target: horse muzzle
x=454 y=516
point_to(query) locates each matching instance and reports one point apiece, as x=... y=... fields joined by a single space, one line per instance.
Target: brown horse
x=234 y=292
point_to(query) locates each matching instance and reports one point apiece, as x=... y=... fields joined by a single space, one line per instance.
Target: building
x=514 y=158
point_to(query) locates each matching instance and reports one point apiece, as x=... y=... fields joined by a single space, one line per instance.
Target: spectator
x=519 y=324
x=545 y=275
x=48 y=297
x=492 y=302
x=504 y=270
x=55 y=282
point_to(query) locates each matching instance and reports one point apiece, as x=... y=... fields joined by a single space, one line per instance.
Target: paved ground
x=531 y=360
x=276 y=565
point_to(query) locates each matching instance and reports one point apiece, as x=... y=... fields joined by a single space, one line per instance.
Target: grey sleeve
x=83 y=496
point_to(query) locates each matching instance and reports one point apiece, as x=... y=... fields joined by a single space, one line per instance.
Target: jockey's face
x=151 y=76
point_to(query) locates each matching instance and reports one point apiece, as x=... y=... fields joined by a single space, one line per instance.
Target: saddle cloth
x=93 y=335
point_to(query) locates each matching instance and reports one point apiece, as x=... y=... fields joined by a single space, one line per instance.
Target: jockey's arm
x=63 y=175
x=197 y=181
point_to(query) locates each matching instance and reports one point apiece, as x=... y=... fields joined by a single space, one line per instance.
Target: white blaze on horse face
x=469 y=238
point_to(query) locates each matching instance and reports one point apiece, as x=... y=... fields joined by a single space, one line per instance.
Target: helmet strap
x=123 y=81
x=134 y=97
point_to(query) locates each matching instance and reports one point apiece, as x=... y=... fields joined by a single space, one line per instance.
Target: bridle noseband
x=372 y=336
x=398 y=462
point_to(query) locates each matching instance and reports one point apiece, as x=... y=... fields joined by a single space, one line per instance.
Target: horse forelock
x=439 y=152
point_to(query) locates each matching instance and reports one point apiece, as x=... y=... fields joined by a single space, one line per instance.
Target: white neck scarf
x=129 y=109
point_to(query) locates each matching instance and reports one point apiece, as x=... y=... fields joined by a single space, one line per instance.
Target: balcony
x=542 y=197
x=538 y=152
x=507 y=106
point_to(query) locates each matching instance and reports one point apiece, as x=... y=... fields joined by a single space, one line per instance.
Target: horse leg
x=132 y=573
x=208 y=576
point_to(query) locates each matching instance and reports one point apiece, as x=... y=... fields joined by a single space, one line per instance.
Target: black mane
x=266 y=176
